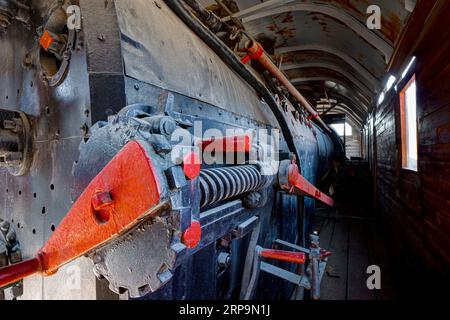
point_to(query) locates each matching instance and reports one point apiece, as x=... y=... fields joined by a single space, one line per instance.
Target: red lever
x=325 y=254
x=289 y=256
x=129 y=193
x=229 y=144
x=297 y=181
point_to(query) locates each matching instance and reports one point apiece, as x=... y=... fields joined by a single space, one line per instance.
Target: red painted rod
x=233 y=144
x=256 y=52
x=295 y=257
x=303 y=186
x=16 y=272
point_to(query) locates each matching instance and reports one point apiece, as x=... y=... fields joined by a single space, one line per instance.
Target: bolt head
x=101 y=200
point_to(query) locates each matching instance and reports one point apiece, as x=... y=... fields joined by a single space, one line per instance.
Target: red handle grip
x=16 y=272
x=296 y=257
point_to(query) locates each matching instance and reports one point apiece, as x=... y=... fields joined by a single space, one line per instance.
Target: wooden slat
x=334 y=287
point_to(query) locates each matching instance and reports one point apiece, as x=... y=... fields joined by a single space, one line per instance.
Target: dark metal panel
x=154 y=53
x=104 y=58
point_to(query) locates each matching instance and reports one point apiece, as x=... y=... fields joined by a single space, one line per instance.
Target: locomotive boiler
x=151 y=150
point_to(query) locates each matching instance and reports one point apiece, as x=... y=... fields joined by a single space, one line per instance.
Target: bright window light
x=381 y=99
x=405 y=73
x=390 y=83
x=408 y=113
x=341 y=130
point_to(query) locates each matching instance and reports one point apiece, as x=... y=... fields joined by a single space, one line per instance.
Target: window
x=341 y=130
x=408 y=117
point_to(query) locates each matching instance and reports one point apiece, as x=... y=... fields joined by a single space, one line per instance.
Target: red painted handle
x=296 y=257
x=229 y=144
x=297 y=181
x=16 y=272
x=246 y=59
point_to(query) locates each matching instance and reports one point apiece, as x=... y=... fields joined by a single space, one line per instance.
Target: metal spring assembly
x=224 y=183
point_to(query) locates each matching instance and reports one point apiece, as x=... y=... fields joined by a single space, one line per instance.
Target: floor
x=356 y=243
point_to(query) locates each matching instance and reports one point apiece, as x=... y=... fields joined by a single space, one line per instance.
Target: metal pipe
x=209 y=17
x=280 y=255
x=315 y=260
x=256 y=52
x=16 y=272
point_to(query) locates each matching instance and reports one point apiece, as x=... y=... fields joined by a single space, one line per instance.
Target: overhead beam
x=356 y=120
x=336 y=52
x=329 y=109
x=335 y=68
x=357 y=113
x=353 y=101
x=353 y=92
x=276 y=7
x=363 y=90
x=358 y=110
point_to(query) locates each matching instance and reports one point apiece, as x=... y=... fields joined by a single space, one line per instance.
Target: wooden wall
x=414 y=207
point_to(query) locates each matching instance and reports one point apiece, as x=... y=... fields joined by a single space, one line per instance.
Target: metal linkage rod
x=256 y=52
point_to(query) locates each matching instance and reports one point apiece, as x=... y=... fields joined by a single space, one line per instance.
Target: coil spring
x=225 y=183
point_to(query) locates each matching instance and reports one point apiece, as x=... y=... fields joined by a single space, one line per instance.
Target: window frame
x=404 y=128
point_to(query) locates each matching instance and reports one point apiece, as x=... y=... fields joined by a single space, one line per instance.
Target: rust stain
x=286 y=17
x=324 y=26
x=353 y=6
x=391 y=26
x=288 y=58
x=286 y=32
x=324 y=18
